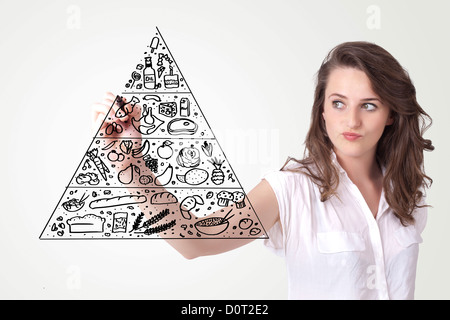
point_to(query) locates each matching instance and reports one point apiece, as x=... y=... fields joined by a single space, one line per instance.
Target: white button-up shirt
x=336 y=249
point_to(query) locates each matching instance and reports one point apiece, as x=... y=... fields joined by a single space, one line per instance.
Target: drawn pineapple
x=217 y=176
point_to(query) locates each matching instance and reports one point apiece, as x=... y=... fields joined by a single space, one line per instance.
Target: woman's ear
x=390 y=119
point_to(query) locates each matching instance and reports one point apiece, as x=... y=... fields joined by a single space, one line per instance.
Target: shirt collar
x=382 y=206
x=336 y=162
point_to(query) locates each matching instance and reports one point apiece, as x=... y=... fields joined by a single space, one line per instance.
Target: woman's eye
x=369 y=106
x=338 y=104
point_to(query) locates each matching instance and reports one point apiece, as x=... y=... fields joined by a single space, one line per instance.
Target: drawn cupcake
x=223 y=197
x=239 y=199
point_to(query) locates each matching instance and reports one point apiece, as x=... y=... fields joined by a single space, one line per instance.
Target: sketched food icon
x=86 y=224
x=126 y=175
x=194 y=176
x=154 y=44
x=165 y=151
x=182 y=126
x=147 y=123
x=207 y=148
x=126 y=146
x=88 y=177
x=74 y=204
x=189 y=157
x=188 y=204
x=113 y=156
x=168 y=109
x=217 y=177
x=135 y=76
x=245 y=223
x=165 y=177
x=171 y=79
x=99 y=164
x=142 y=150
x=125 y=108
x=214 y=225
x=113 y=127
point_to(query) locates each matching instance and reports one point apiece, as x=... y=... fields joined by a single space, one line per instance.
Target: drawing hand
x=99 y=112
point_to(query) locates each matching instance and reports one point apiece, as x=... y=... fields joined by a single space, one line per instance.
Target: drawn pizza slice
x=165 y=173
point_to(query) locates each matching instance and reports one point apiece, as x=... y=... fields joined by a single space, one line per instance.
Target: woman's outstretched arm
x=261 y=197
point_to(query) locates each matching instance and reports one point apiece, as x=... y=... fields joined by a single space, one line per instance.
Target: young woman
x=347 y=217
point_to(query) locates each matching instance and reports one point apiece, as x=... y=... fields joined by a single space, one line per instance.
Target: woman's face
x=354 y=115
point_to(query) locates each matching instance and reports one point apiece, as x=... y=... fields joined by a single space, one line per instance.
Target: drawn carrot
x=100 y=165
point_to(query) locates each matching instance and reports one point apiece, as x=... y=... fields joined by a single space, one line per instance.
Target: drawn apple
x=165 y=151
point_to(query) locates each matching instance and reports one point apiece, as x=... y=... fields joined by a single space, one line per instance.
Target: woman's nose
x=353 y=118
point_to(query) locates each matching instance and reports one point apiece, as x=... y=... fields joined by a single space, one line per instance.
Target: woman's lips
x=350 y=136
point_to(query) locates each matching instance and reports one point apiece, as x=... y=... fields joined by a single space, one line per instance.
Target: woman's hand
x=119 y=127
x=100 y=111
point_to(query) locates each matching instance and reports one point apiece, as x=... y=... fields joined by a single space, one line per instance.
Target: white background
x=250 y=66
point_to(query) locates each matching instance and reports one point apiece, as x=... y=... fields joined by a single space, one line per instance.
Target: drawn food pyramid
x=155 y=169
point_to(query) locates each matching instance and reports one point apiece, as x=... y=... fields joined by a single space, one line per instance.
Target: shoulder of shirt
x=290 y=169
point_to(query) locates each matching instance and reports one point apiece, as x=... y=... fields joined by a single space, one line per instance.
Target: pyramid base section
x=94 y=213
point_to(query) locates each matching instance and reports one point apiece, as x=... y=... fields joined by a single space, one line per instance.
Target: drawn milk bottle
x=184 y=107
x=149 y=74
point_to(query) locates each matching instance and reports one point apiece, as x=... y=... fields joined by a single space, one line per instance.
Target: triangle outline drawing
x=154 y=168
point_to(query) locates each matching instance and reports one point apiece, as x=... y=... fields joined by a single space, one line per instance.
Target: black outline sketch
x=147 y=123
x=126 y=176
x=165 y=177
x=185 y=110
x=177 y=151
x=116 y=201
x=194 y=176
x=163 y=198
x=182 y=126
x=165 y=150
x=74 y=204
x=126 y=108
x=98 y=162
x=142 y=151
x=189 y=157
x=188 y=204
x=120 y=220
x=213 y=226
x=89 y=223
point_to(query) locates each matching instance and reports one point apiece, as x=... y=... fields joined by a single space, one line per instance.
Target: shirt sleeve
x=421 y=215
x=277 y=239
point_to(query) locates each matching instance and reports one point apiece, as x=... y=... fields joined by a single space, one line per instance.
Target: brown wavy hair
x=401 y=147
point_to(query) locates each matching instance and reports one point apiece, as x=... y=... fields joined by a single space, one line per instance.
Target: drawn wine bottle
x=149 y=74
x=171 y=80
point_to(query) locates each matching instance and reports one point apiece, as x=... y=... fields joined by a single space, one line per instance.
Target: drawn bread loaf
x=163 y=198
x=85 y=224
x=116 y=201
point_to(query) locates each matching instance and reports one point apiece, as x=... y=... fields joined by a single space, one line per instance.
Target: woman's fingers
x=110 y=101
x=109 y=112
x=104 y=107
x=99 y=112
